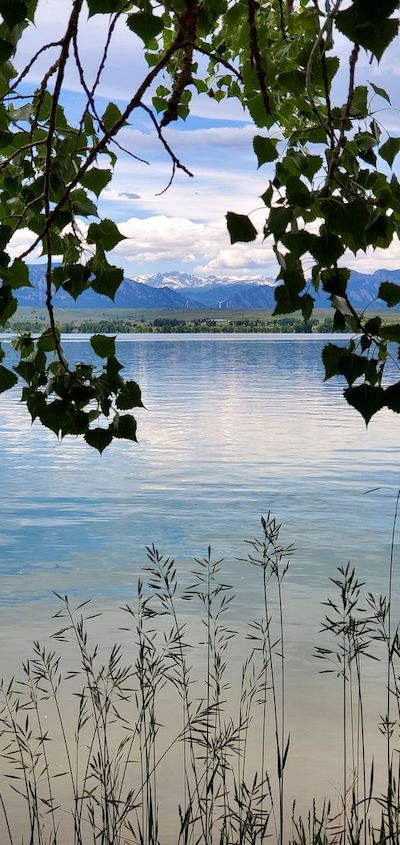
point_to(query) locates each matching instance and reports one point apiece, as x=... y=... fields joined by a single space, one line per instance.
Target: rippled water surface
x=234 y=426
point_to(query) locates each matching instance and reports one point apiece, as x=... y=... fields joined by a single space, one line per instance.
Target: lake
x=234 y=426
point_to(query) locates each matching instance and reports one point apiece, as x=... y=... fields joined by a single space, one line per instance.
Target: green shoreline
x=169 y=321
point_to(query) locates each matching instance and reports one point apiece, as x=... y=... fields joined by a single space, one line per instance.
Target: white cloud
x=173 y=241
x=388 y=259
x=176 y=240
x=214 y=189
x=21 y=241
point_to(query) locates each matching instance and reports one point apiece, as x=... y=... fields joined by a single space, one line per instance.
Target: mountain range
x=182 y=290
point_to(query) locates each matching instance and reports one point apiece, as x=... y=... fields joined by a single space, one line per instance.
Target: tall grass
x=160 y=749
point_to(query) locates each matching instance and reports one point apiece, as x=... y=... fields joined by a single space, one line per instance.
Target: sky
x=184 y=228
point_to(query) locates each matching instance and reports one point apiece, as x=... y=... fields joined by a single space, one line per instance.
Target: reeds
x=156 y=748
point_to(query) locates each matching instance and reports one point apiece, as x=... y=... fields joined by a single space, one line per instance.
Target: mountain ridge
x=208 y=293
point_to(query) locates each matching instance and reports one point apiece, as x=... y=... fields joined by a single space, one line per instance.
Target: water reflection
x=233 y=427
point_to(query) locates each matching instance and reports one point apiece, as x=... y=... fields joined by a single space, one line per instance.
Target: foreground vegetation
x=87 y=753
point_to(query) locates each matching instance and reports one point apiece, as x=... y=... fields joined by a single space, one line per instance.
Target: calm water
x=234 y=426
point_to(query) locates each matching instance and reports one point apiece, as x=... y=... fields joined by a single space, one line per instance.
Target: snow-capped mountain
x=175 y=280
x=194 y=292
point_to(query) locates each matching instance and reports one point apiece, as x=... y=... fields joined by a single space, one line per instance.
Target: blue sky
x=184 y=228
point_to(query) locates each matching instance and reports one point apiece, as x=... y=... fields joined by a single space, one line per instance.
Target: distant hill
x=131 y=294
x=188 y=291
x=258 y=291
x=237 y=295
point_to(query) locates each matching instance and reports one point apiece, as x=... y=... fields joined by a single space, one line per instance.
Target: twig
x=134 y=103
x=316 y=46
x=176 y=164
x=345 y=116
x=61 y=63
x=34 y=58
x=90 y=97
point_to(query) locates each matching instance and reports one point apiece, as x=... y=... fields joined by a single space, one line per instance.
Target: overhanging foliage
x=332 y=191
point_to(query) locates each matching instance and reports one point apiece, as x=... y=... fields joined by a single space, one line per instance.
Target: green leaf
x=297 y=193
x=298 y=243
x=81 y=204
x=326 y=248
x=103 y=345
x=59 y=416
x=339 y=322
x=105 y=7
x=77 y=279
x=352 y=367
x=366 y=23
x=373 y=325
x=331 y=356
x=124 y=427
x=348 y=219
x=13 y=12
x=111 y=116
x=390 y=293
x=380 y=92
x=380 y=232
x=129 y=396
x=265 y=149
x=46 y=341
x=107 y=278
x=359 y=103
x=310 y=166
x=240 y=228
x=334 y=281
x=113 y=368
x=392 y=397
x=6 y=50
x=8 y=304
x=388 y=151
x=106 y=234
x=391 y=333
x=307 y=305
x=99 y=438
x=366 y=399
x=7 y=379
x=96 y=179
x=256 y=107
x=278 y=221
x=18 y=275
x=6 y=233
x=286 y=301
x=146 y=26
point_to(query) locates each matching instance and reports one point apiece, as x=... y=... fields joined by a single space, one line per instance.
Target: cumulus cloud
x=388 y=259
x=20 y=242
x=202 y=247
x=177 y=240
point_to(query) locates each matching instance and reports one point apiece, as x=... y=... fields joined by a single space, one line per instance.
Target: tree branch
x=255 y=55
x=63 y=58
x=97 y=148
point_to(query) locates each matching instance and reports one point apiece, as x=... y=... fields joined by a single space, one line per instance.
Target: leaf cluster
x=331 y=189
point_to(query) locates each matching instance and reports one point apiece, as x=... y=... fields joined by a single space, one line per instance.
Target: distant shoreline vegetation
x=129 y=321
